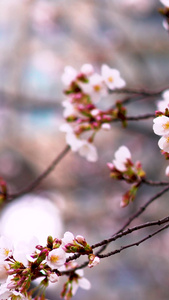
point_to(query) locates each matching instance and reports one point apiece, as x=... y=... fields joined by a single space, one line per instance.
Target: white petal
x=84 y=283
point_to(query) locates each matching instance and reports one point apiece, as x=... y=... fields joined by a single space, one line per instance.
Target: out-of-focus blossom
x=24 y=249
x=56 y=258
x=140 y=6
x=83 y=147
x=69 y=109
x=106 y=126
x=4 y=267
x=69 y=75
x=53 y=277
x=165 y=25
x=95 y=87
x=112 y=78
x=87 y=69
x=167 y=171
x=161 y=125
x=77 y=280
x=122 y=155
x=88 y=150
x=81 y=281
x=165 y=2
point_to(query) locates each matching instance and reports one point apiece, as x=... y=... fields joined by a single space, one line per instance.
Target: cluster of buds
x=122 y=168
x=19 y=269
x=83 y=91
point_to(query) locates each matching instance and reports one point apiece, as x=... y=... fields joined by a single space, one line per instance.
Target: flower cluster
x=20 y=266
x=84 y=90
x=122 y=168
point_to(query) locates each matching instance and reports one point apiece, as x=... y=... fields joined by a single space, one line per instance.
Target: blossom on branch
x=122 y=158
x=112 y=78
x=122 y=168
x=56 y=258
x=161 y=127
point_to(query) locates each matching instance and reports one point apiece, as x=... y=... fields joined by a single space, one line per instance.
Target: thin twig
x=36 y=182
x=138 y=213
x=133 y=244
x=130 y=230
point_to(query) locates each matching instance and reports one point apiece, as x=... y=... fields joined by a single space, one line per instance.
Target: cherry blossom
x=68 y=238
x=56 y=258
x=87 y=69
x=4 y=267
x=165 y=2
x=163 y=104
x=167 y=171
x=69 y=75
x=112 y=78
x=95 y=88
x=81 y=281
x=161 y=125
x=6 y=248
x=163 y=143
x=122 y=155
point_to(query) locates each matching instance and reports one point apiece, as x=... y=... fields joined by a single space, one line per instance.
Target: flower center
x=6 y=251
x=110 y=79
x=166 y=126
x=54 y=258
x=97 y=88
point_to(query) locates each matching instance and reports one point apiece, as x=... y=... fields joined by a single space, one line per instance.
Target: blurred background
x=37 y=40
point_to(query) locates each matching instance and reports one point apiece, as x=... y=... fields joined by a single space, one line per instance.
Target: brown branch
x=130 y=230
x=133 y=244
x=142 y=92
x=36 y=182
x=138 y=213
x=124 y=233
x=155 y=183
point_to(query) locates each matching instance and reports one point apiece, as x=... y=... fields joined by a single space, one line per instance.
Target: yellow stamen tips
x=167 y=139
x=54 y=258
x=166 y=126
x=97 y=88
x=6 y=251
x=110 y=79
